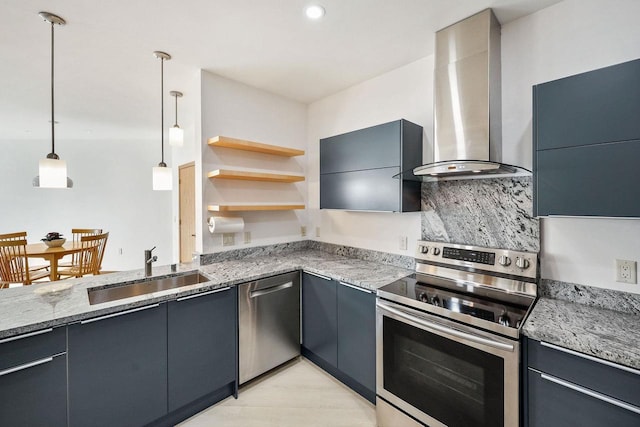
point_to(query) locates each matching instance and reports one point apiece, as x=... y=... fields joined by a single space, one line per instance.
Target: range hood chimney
x=467 y=122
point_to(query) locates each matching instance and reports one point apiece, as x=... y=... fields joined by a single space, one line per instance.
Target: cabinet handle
x=318 y=275
x=357 y=288
x=26 y=366
x=590 y=393
x=202 y=294
x=260 y=292
x=31 y=334
x=591 y=358
x=121 y=313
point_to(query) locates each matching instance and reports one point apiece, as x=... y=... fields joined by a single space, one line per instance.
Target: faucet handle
x=151 y=250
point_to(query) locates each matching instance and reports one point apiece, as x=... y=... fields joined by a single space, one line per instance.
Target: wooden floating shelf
x=238 y=208
x=258 y=147
x=253 y=176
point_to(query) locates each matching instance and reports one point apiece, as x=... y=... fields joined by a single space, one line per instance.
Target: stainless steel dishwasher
x=269 y=323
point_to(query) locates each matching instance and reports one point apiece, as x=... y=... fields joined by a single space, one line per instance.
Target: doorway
x=187 y=206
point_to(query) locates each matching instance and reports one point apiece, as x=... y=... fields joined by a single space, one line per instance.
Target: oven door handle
x=435 y=327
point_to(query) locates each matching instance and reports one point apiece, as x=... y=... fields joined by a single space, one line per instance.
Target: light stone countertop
x=595 y=331
x=23 y=311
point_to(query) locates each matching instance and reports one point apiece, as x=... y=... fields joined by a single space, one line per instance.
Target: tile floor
x=297 y=394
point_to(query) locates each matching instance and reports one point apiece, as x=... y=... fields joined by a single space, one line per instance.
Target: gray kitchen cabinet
x=118 y=368
x=586 y=140
x=357 y=338
x=201 y=346
x=357 y=168
x=338 y=331
x=565 y=388
x=33 y=379
x=319 y=319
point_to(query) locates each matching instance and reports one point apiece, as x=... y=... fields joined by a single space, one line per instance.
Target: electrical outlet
x=247 y=237
x=317 y=231
x=626 y=271
x=403 y=243
x=228 y=239
x=303 y=230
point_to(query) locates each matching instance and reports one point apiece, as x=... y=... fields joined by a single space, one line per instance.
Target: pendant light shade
x=162 y=178
x=52 y=171
x=162 y=175
x=176 y=133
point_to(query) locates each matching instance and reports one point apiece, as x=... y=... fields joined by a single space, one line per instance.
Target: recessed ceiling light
x=315 y=11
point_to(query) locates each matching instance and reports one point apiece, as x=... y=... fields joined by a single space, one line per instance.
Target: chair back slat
x=92 y=250
x=77 y=234
x=14 y=264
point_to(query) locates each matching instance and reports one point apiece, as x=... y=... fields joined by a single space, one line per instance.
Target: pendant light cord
x=53 y=123
x=162 y=108
x=176 y=122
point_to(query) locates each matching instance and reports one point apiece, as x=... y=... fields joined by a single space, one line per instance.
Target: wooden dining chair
x=21 y=235
x=76 y=235
x=88 y=258
x=14 y=263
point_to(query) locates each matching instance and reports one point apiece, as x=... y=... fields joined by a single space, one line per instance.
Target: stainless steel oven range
x=448 y=350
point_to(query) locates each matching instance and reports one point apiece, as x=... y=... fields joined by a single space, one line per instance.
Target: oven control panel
x=503 y=261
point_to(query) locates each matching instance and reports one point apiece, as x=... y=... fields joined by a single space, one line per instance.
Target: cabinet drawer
x=370 y=148
x=556 y=403
x=620 y=383
x=373 y=190
x=594 y=180
x=32 y=346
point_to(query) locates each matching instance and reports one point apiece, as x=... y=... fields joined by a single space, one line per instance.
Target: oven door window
x=458 y=385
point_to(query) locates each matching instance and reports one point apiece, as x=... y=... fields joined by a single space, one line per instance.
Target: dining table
x=53 y=255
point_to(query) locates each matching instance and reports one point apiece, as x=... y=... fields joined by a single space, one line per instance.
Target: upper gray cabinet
x=586 y=143
x=358 y=169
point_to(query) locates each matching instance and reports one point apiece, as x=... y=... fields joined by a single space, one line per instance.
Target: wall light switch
x=247 y=237
x=403 y=243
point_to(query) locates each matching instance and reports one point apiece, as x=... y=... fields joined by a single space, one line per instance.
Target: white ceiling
x=108 y=79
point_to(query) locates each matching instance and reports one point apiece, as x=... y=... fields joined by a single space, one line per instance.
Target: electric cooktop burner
x=489 y=288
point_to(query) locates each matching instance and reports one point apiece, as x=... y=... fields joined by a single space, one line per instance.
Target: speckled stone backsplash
x=590 y=295
x=401 y=261
x=483 y=212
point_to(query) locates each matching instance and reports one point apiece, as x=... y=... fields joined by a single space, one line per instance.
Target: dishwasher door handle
x=272 y=289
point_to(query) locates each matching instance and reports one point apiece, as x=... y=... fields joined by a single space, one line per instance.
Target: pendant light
x=162 y=176
x=52 y=170
x=176 y=134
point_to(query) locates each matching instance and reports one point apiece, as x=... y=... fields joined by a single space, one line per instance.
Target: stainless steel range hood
x=467 y=122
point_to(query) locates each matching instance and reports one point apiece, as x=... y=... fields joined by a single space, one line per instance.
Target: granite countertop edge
x=599 y=332
x=24 y=311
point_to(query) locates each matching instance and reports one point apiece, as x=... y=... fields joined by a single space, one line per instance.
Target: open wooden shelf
x=238 y=208
x=258 y=147
x=253 y=176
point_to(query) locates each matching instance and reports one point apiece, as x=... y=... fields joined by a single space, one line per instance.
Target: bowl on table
x=55 y=243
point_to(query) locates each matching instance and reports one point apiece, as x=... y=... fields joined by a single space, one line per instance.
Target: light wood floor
x=298 y=394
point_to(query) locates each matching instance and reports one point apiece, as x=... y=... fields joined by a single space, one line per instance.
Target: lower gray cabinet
x=201 y=345
x=338 y=331
x=357 y=337
x=118 y=368
x=319 y=317
x=565 y=388
x=33 y=379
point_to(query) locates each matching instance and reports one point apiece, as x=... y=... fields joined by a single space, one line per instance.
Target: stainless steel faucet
x=148 y=259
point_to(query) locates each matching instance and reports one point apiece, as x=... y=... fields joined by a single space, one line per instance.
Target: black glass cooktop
x=453 y=302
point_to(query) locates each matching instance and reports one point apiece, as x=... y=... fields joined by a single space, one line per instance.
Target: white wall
x=236 y=110
x=112 y=191
x=568 y=38
x=404 y=93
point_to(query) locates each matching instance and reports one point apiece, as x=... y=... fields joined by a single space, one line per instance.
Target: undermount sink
x=141 y=287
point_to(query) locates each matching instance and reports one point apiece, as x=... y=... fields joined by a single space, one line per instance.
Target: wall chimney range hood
x=467 y=122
